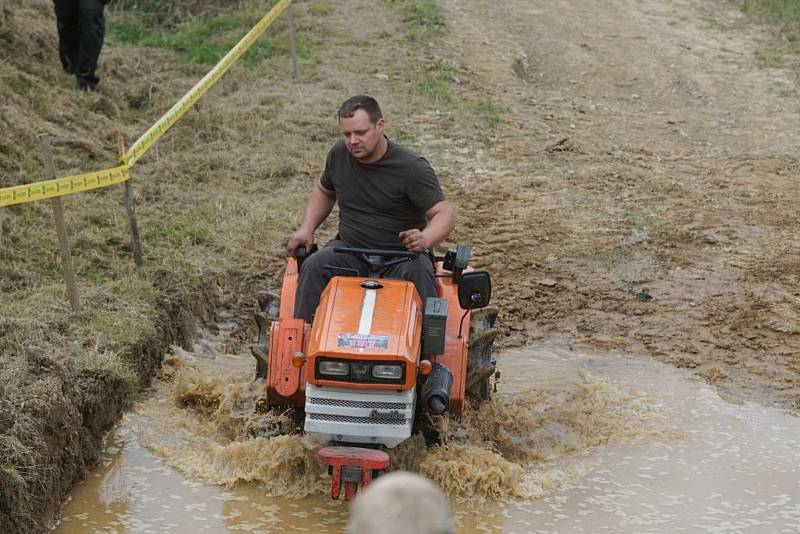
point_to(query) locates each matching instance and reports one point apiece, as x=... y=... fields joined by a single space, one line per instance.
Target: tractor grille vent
x=359 y=404
x=378 y=419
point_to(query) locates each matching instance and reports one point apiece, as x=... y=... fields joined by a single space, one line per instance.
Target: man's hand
x=414 y=240
x=301 y=237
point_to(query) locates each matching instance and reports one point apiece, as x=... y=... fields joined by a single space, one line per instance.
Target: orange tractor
x=376 y=355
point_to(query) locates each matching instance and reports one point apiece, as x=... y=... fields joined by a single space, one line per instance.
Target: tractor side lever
x=301 y=253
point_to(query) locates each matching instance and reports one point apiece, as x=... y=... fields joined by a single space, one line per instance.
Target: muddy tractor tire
x=267 y=312
x=480 y=364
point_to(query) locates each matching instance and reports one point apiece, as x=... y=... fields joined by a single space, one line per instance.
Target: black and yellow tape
x=94 y=180
x=63 y=186
x=187 y=101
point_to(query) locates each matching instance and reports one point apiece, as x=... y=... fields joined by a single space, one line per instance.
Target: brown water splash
x=471 y=472
x=523 y=443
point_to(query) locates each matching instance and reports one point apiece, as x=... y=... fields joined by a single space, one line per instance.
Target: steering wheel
x=377 y=260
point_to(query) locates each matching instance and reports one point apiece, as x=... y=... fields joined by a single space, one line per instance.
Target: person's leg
x=419 y=271
x=92 y=33
x=68 y=25
x=315 y=275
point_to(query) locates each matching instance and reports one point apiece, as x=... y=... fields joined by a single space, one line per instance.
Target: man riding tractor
x=389 y=198
x=368 y=331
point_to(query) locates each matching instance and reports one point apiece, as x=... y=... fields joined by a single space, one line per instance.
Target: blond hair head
x=401 y=503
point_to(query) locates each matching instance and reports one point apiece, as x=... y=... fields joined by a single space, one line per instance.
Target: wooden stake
x=295 y=72
x=61 y=228
x=2 y=216
x=136 y=244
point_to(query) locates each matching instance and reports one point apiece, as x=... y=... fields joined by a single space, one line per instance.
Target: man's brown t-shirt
x=379 y=200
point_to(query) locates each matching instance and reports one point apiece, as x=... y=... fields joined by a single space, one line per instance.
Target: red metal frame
x=368 y=460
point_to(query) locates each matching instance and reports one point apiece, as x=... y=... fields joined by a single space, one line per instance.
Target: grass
x=96 y=359
x=435 y=85
x=485 y=120
x=608 y=258
x=321 y=8
x=789 y=93
x=785 y=13
x=653 y=224
x=423 y=19
x=178 y=232
x=205 y=40
x=772 y=59
x=438 y=84
x=405 y=137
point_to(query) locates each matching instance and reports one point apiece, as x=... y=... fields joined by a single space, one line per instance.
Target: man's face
x=361 y=136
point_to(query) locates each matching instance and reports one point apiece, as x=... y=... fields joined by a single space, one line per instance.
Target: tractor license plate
x=363 y=341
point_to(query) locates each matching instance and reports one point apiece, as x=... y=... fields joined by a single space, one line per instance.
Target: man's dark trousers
x=314 y=276
x=81 y=29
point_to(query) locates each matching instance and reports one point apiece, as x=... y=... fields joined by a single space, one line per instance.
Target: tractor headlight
x=387 y=372
x=334 y=368
x=359 y=371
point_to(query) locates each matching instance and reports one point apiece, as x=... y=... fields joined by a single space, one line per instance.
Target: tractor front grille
x=379 y=419
x=358 y=404
x=349 y=415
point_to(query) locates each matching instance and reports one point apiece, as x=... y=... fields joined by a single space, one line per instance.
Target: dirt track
x=641 y=149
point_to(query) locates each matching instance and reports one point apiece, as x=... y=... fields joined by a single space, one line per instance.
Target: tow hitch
x=352 y=466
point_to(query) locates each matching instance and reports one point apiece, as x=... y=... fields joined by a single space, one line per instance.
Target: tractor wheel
x=480 y=364
x=260 y=347
x=268 y=311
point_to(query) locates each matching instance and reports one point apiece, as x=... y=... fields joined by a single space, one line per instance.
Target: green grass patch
x=128 y=30
x=321 y=8
x=405 y=137
x=486 y=111
x=769 y=60
x=206 y=39
x=177 y=232
x=422 y=19
x=484 y=118
x=653 y=224
x=435 y=85
x=786 y=13
x=118 y=311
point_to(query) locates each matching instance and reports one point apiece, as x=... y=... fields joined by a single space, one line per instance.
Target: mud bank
x=54 y=415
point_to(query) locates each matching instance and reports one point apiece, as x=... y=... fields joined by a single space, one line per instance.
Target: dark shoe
x=85 y=84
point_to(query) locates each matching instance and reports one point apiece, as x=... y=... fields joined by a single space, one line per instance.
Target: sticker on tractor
x=363 y=341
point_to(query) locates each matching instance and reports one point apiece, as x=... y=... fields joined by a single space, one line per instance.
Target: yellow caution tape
x=94 y=180
x=63 y=186
x=182 y=106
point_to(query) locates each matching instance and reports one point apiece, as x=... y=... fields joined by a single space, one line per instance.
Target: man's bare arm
x=320 y=204
x=441 y=221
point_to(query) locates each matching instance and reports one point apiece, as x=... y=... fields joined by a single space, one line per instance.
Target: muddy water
x=572 y=443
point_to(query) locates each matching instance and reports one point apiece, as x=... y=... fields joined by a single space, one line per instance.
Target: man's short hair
x=354 y=103
x=401 y=503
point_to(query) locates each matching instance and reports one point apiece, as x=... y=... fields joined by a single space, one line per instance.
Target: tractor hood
x=362 y=322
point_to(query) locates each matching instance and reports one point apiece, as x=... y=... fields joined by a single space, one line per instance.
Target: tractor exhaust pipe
x=436 y=390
